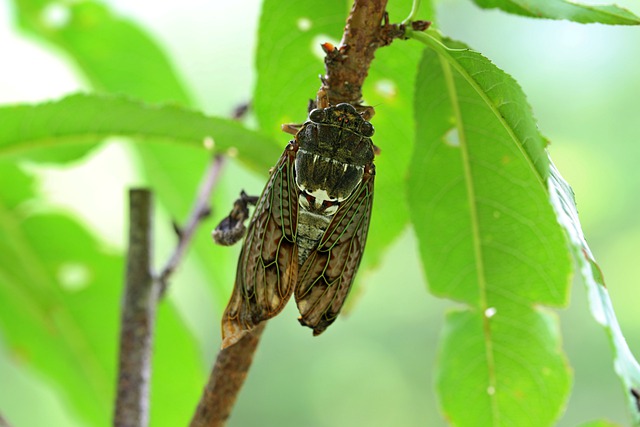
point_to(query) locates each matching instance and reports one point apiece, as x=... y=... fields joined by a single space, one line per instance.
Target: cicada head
x=334 y=148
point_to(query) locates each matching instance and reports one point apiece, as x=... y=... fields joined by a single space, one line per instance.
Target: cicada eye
x=367 y=129
x=317 y=115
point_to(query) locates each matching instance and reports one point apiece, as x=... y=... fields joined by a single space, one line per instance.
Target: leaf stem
x=415 y=6
x=430 y=40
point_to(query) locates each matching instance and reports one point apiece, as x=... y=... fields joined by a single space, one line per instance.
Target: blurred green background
x=374 y=367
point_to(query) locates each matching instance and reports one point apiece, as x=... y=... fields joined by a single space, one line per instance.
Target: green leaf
x=21 y=186
x=60 y=295
x=488 y=237
x=599 y=423
x=501 y=371
x=626 y=366
x=28 y=130
x=48 y=322
x=564 y=9
x=177 y=375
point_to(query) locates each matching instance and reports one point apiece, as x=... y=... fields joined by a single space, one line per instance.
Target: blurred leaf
x=599 y=423
x=60 y=295
x=564 y=9
x=625 y=364
x=44 y=129
x=125 y=49
x=95 y=37
x=488 y=237
x=20 y=189
x=177 y=375
x=115 y=54
x=68 y=335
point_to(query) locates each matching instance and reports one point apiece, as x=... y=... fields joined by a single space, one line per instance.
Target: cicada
x=309 y=228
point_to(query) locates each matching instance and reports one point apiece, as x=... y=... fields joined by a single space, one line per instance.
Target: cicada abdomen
x=309 y=228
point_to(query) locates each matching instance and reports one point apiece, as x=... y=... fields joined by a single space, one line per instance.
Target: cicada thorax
x=334 y=148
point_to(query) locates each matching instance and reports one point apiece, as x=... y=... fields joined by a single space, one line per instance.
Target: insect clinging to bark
x=309 y=228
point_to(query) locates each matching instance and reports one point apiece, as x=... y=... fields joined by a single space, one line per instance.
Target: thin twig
x=201 y=209
x=227 y=377
x=138 y=316
x=363 y=34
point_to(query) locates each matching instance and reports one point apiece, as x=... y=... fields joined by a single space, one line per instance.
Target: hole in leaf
x=452 y=138
x=490 y=312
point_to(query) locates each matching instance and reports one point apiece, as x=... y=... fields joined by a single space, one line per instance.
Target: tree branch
x=138 y=316
x=227 y=377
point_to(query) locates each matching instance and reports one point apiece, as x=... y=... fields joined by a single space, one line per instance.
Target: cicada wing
x=326 y=276
x=268 y=264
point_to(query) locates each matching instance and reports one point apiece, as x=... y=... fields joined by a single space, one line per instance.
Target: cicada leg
x=322 y=99
x=291 y=128
x=367 y=112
